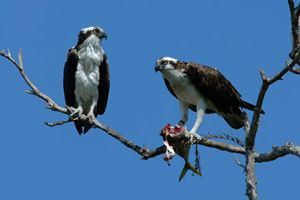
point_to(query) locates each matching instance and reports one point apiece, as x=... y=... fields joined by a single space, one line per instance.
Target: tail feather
x=188 y=166
x=250 y=106
x=82 y=127
x=234 y=122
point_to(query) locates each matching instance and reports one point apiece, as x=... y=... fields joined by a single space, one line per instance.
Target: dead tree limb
x=251 y=190
x=278 y=152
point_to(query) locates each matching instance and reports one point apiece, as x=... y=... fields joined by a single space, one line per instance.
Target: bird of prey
x=202 y=89
x=86 y=78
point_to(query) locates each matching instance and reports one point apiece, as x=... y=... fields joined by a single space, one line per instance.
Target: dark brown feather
x=214 y=86
x=103 y=87
x=69 y=77
x=82 y=37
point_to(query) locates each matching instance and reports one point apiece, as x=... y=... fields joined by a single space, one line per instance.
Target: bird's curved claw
x=76 y=112
x=191 y=136
x=91 y=117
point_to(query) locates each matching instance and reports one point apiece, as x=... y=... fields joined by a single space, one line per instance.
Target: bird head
x=93 y=32
x=165 y=64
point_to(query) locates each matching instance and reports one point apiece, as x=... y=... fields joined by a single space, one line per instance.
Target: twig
x=295 y=70
x=278 y=152
x=294 y=18
x=239 y=163
x=52 y=124
x=35 y=91
x=285 y=70
x=225 y=136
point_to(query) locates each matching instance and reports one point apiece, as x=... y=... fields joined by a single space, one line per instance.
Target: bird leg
x=77 y=112
x=201 y=107
x=184 y=113
x=90 y=116
x=246 y=125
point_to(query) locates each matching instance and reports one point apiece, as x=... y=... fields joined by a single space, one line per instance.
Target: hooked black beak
x=158 y=68
x=104 y=35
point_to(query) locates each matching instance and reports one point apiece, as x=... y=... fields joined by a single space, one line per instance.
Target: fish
x=174 y=140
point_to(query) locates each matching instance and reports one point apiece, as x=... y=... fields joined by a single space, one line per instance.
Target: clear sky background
x=237 y=37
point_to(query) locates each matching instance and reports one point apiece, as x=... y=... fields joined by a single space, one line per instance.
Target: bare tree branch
x=278 y=152
x=236 y=160
x=225 y=136
x=294 y=24
x=35 y=91
x=266 y=82
x=295 y=70
x=58 y=123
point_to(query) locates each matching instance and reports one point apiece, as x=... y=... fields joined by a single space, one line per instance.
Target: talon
x=191 y=136
x=71 y=109
x=76 y=112
x=83 y=117
x=91 y=117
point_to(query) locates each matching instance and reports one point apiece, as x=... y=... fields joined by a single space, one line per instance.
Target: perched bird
x=202 y=89
x=86 y=78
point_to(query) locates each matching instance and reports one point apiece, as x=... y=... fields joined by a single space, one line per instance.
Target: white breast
x=87 y=75
x=182 y=87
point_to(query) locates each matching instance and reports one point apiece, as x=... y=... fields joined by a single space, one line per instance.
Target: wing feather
x=104 y=85
x=69 y=77
x=213 y=85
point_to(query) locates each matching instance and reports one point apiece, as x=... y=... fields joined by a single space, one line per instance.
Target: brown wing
x=69 y=77
x=214 y=86
x=192 y=107
x=219 y=91
x=103 y=87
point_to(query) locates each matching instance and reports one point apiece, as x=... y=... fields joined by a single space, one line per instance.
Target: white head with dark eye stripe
x=94 y=33
x=165 y=64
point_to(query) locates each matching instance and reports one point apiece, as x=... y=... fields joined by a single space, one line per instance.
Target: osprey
x=86 y=78
x=202 y=89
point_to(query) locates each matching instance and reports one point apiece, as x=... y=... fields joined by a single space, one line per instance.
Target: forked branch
x=266 y=82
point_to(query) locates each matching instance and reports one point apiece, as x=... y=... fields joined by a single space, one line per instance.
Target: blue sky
x=237 y=37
